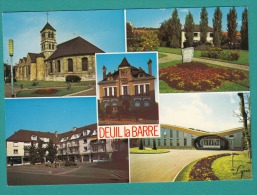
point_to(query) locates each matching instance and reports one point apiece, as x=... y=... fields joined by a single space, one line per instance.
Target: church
x=74 y=57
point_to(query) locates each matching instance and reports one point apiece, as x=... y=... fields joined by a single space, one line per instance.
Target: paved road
x=163 y=167
x=85 y=174
x=172 y=57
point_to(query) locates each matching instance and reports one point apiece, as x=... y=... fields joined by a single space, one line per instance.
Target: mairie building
x=129 y=91
x=56 y=61
x=78 y=145
x=181 y=137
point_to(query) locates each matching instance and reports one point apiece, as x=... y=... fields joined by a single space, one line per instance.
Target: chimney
x=104 y=72
x=56 y=134
x=74 y=129
x=149 y=66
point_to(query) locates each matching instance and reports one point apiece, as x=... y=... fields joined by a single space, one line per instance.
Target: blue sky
x=103 y=28
x=49 y=114
x=112 y=61
x=206 y=111
x=154 y=17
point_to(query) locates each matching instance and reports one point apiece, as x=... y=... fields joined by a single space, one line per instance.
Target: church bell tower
x=48 y=40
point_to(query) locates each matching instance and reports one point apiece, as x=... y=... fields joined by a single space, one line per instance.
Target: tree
x=141 y=146
x=244 y=117
x=189 y=30
x=129 y=35
x=149 y=41
x=33 y=154
x=217 y=25
x=52 y=151
x=175 y=30
x=154 y=145
x=41 y=151
x=203 y=25
x=244 y=30
x=232 y=25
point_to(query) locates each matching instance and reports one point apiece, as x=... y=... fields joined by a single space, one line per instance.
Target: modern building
x=197 y=35
x=128 y=92
x=180 y=137
x=78 y=145
x=74 y=57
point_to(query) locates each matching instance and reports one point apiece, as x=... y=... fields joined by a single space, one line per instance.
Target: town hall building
x=74 y=57
x=128 y=92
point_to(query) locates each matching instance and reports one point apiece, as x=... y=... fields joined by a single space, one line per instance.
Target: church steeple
x=48 y=40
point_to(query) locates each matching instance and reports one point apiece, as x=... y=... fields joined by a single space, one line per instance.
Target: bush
x=70 y=164
x=73 y=78
x=219 y=54
x=8 y=80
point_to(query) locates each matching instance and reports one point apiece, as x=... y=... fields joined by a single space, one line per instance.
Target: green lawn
x=160 y=55
x=148 y=151
x=242 y=168
x=62 y=92
x=222 y=168
x=225 y=86
x=243 y=60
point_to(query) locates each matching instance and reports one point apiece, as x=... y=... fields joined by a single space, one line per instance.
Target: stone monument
x=187 y=54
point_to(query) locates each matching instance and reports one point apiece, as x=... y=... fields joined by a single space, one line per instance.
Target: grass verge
x=148 y=151
x=184 y=173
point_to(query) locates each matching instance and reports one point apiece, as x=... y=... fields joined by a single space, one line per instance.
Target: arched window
x=49 y=46
x=58 y=66
x=70 y=65
x=52 y=46
x=84 y=64
x=51 y=67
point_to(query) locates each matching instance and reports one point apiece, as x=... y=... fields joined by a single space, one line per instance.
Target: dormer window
x=34 y=137
x=94 y=133
x=140 y=75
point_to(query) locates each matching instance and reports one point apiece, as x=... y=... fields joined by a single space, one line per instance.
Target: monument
x=187 y=54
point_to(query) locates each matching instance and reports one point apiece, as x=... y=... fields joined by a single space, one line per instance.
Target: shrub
x=73 y=78
x=70 y=164
x=8 y=80
x=218 y=54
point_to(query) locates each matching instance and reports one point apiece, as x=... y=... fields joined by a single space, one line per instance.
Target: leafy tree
x=232 y=25
x=203 y=25
x=175 y=30
x=189 y=30
x=154 y=145
x=52 y=151
x=41 y=151
x=33 y=153
x=129 y=35
x=217 y=25
x=244 y=30
x=141 y=146
x=244 y=117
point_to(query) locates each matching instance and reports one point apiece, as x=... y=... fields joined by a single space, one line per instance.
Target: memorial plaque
x=187 y=54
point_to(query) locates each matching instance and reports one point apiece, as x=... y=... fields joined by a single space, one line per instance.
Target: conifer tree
x=141 y=146
x=189 y=30
x=33 y=154
x=175 y=33
x=154 y=145
x=244 y=30
x=203 y=25
x=52 y=151
x=217 y=27
x=41 y=151
x=232 y=25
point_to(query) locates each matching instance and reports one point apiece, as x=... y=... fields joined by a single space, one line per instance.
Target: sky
x=103 y=28
x=210 y=112
x=136 y=59
x=154 y=17
x=49 y=114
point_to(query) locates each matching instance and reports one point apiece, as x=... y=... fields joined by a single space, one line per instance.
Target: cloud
x=184 y=10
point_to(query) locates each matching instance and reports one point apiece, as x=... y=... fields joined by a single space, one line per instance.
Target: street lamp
x=11 y=48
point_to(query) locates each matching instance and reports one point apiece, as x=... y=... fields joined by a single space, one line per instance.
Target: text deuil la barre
x=128 y=131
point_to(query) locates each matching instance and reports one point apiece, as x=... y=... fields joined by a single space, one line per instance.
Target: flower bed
x=202 y=170
x=196 y=76
x=45 y=91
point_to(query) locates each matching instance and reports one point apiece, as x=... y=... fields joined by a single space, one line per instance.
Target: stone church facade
x=74 y=57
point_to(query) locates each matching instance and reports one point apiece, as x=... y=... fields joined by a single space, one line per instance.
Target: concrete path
x=172 y=57
x=163 y=167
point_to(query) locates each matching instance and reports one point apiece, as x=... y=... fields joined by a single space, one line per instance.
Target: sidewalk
x=172 y=57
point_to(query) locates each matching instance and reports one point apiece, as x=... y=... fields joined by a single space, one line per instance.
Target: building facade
x=129 y=91
x=78 y=145
x=74 y=57
x=181 y=137
x=197 y=35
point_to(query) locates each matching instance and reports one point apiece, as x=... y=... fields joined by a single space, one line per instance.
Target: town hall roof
x=73 y=47
x=47 y=26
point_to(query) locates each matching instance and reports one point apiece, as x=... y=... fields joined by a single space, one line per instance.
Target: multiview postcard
x=127 y=96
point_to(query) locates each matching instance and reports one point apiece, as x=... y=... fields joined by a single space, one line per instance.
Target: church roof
x=47 y=26
x=34 y=56
x=73 y=47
